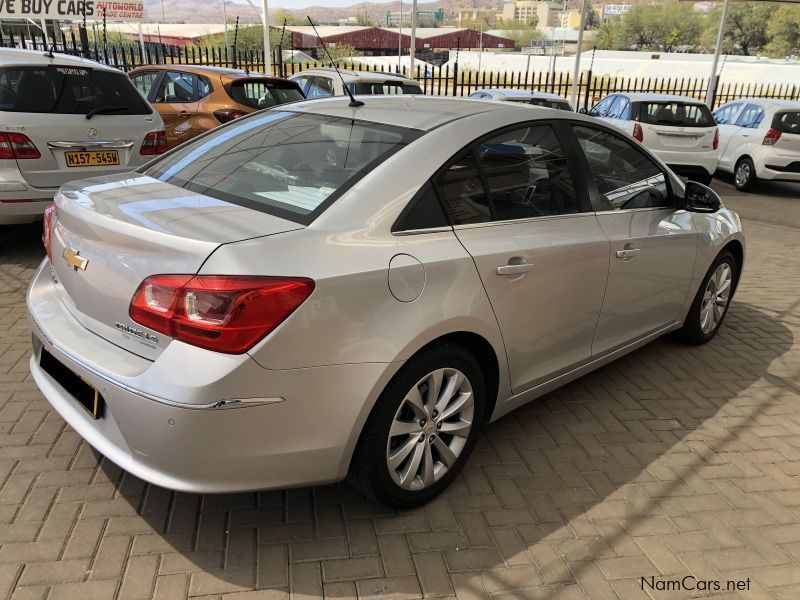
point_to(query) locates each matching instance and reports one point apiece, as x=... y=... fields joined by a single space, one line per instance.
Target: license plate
x=84 y=392
x=92 y=159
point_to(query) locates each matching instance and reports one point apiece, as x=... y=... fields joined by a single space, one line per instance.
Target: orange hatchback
x=193 y=99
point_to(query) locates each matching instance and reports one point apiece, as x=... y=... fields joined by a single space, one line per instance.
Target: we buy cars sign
x=112 y=10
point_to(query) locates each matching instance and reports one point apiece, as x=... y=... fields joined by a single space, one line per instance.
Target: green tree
x=784 y=32
x=609 y=35
x=679 y=26
x=592 y=18
x=640 y=27
x=746 y=27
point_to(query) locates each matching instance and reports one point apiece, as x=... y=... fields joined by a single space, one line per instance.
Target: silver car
x=318 y=291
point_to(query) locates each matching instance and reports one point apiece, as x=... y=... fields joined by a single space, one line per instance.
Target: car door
x=519 y=209
x=726 y=124
x=176 y=102
x=652 y=244
x=746 y=136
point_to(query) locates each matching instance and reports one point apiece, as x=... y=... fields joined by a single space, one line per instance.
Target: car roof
x=352 y=75
x=507 y=92
x=661 y=98
x=412 y=110
x=770 y=102
x=208 y=70
x=10 y=57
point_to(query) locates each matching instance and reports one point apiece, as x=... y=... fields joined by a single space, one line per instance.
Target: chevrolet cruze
x=321 y=291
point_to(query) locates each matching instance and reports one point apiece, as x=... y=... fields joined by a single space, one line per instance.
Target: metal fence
x=449 y=80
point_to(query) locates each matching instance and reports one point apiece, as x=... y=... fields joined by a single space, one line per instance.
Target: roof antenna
x=353 y=102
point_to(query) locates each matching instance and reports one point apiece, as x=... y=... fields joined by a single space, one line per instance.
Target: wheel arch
x=736 y=248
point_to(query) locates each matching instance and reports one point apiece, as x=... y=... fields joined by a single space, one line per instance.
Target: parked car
x=322 y=82
x=681 y=131
x=66 y=118
x=193 y=99
x=477 y=255
x=523 y=96
x=759 y=139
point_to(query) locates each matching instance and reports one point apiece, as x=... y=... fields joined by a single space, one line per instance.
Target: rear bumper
x=20 y=203
x=302 y=433
x=697 y=162
x=779 y=168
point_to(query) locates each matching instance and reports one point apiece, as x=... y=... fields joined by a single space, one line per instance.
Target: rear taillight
x=47 y=227
x=772 y=136
x=222 y=313
x=17 y=145
x=228 y=114
x=715 y=144
x=637 y=132
x=154 y=143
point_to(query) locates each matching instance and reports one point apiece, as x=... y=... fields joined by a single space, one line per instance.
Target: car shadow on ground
x=582 y=468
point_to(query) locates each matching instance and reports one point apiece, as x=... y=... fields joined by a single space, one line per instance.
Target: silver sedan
x=322 y=291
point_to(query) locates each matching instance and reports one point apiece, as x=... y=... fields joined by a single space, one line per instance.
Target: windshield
x=291 y=165
x=69 y=90
x=787 y=122
x=254 y=93
x=372 y=88
x=678 y=114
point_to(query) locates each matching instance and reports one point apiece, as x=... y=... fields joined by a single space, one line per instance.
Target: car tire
x=744 y=174
x=412 y=445
x=711 y=302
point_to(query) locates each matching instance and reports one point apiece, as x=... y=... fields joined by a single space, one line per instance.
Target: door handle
x=627 y=254
x=516 y=269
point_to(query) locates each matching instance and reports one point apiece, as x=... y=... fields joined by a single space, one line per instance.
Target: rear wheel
x=744 y=175
x=711 y=302
x=422 y=428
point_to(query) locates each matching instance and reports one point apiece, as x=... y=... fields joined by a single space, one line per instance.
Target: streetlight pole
x=480 y=48
x=712 y=80
x=225 y=21
x=400 y=41
x=267 y=51
x=413 y=47
x=576 y=74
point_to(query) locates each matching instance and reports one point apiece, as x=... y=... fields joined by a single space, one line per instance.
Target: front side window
x=145 y=81
x=751 y=116
x=726 y=114
x=69 y=90
x=319 y=87
x=676 y=114
x=291 y=165
x=619 y=110
x=518 y=174
x=625 y=177
x=601 y=108
x=176 y=87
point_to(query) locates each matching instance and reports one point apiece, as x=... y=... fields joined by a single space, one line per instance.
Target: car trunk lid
x=111 y=233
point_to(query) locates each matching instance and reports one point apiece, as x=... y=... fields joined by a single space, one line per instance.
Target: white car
x=759 y=139
x=322 y=82
x=66 y=118
x=523 y=96
x=681 y=131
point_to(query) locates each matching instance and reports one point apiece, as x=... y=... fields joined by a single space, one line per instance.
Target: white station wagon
x=66 y=118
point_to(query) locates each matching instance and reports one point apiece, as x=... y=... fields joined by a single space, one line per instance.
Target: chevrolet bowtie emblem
x=73 y=260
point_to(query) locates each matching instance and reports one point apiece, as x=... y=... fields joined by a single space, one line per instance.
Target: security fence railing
x=449 y=79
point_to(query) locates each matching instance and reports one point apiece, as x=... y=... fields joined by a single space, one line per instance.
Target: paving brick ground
x=673 y=461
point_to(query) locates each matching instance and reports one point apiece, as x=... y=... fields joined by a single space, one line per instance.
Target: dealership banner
x=72 y=10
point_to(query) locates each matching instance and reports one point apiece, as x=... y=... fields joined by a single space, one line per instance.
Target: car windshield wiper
x=100 y=110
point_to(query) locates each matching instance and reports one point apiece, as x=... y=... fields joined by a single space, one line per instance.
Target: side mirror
x=700 y=198
x=583 y=111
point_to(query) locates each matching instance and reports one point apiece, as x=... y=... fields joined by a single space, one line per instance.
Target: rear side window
x=291 y=165
x=69 y=91
x=787 y=122
x=625 y=177
x=677 y=114
x=319 y=87
x=372 y=88
x=262 y=94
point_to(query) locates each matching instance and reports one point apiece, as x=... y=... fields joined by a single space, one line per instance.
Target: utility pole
x=225 y=21
x=413 y=47
x=400 y=41
x=577 y=72
x=712 y=80
x=267 y=51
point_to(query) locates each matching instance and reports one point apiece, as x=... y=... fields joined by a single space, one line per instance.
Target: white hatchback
x=323 y=82
x=66 y=118
x=679 y=130
x=759 y=139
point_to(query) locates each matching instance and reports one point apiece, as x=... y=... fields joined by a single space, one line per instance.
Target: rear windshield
x=372 y=88
x=69 y=91
x=679 y=114
x=291 y=165
x=542 y=102
x=263 y=94
x=787 y=122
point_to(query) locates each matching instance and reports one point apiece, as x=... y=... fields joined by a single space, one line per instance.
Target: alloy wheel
x=430 y=429
x=742 y=174
x=716 y=297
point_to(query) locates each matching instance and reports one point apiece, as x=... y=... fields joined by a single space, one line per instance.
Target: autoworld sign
x=112 y=10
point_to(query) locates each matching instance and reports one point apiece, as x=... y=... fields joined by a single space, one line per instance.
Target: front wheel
x=422 y=429
x=744 y=175
x=711 y=302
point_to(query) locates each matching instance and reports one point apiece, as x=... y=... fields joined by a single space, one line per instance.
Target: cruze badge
x=74 y=260
x=136 y=332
